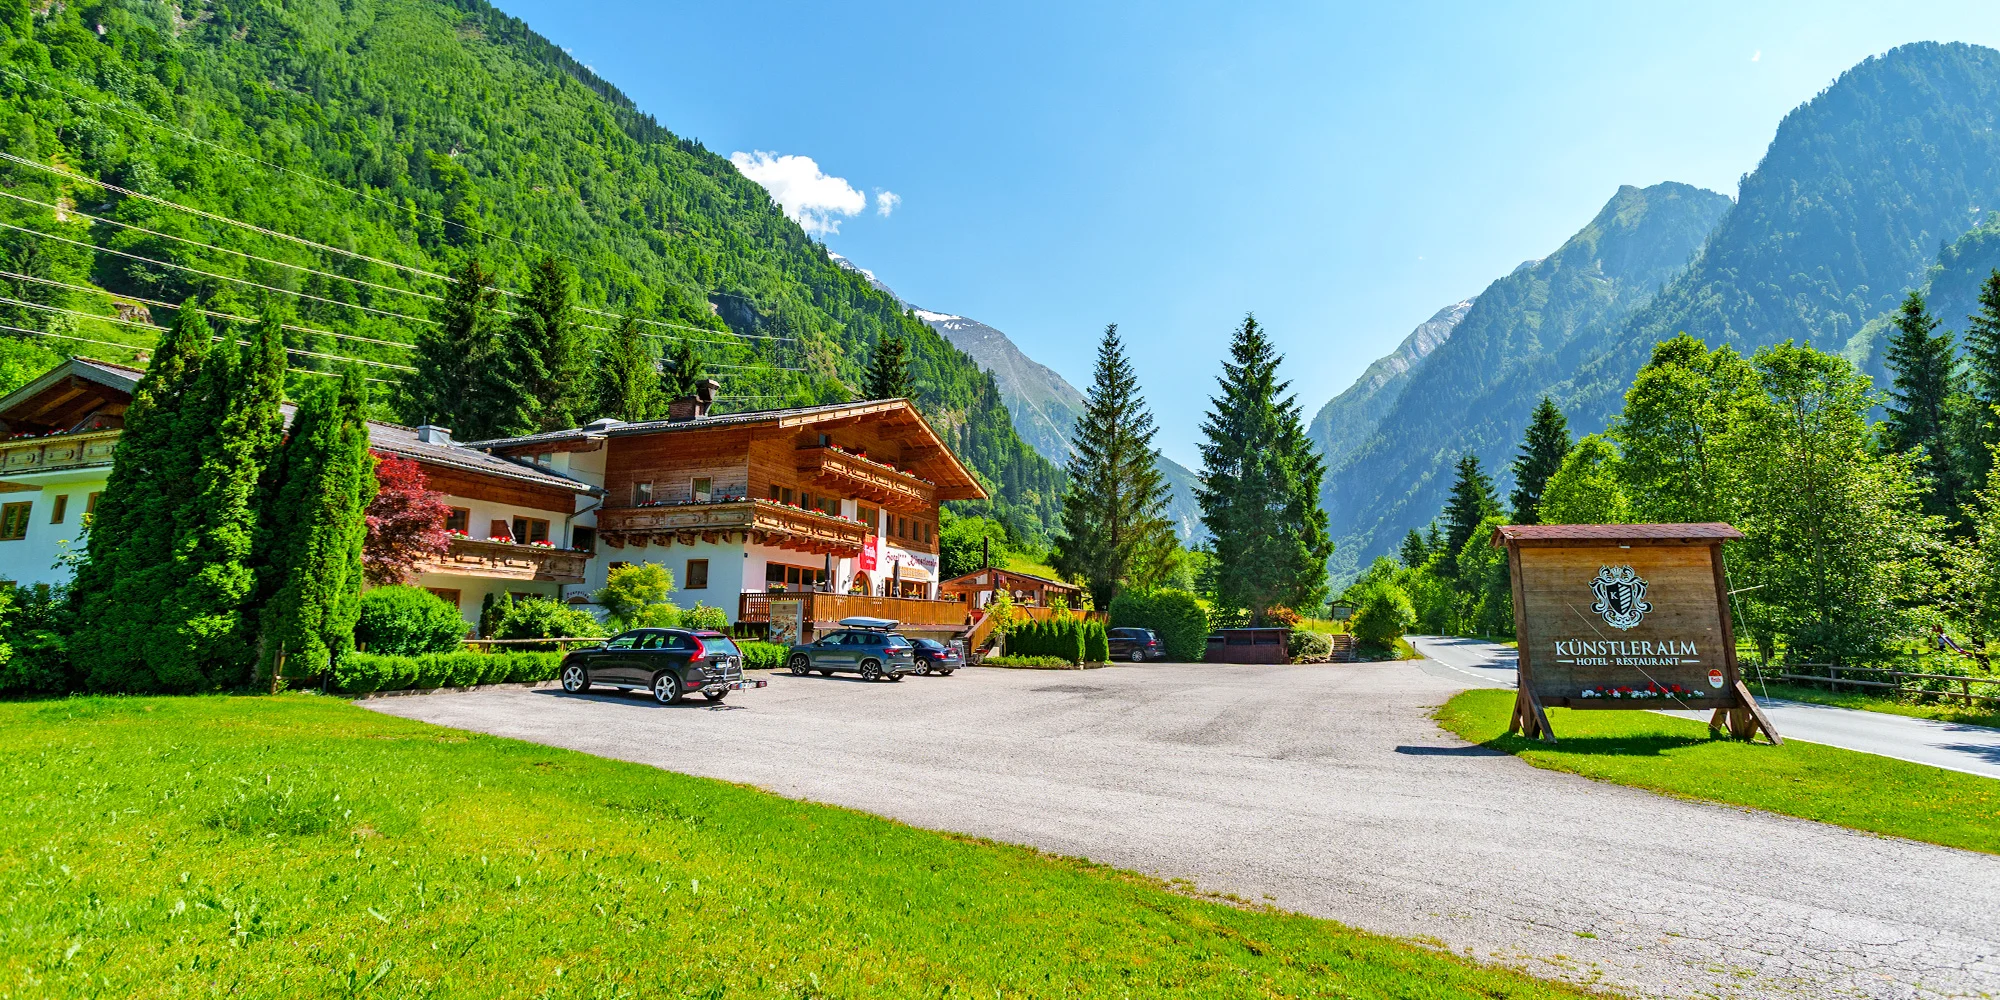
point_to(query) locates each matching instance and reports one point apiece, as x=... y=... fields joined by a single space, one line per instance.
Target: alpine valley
x=1879 y=184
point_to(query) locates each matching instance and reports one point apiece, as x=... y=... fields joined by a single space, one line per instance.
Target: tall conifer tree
x=205 y=636
x=130 y=542
x=547 y=349
x=316 y=525
x=1471 y=502
x=464 y=378
x=888 y=370
x=1924 y=366
x=1414 y=552
x=681 y=370
x=1545 y=446
x=629 y=386
x=1114 y=522
x=1260 y=482
x=1980 y=432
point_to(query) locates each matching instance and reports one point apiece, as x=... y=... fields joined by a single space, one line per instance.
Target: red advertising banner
x=867 y=561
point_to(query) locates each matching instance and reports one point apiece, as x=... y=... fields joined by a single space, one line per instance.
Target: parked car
x=874 y=653
x=669 y=662
x=934 y=657
x=1136 y=644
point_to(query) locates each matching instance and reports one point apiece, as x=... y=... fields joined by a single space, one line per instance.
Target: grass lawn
x=1677 y=756
x=1976 y=716
x=296 y=846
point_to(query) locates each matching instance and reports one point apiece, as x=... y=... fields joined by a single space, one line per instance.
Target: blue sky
x=1341 y=170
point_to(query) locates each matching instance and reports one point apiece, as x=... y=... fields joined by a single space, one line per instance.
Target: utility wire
x=114 y=296
x=142 y=348
x=162 y=329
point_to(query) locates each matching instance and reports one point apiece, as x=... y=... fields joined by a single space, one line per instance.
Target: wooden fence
x=1836 y=676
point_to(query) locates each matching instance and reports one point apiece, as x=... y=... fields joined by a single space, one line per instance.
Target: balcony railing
x=509 y=561
x=56 y=452
x=823 y=607
x=764 y=522
x=869 y=480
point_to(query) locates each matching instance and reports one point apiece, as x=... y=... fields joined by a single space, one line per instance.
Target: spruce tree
x=205 y=636
x=547 y=351
x=1543 y=449
x=1414 y=551
x=888 y=374
x=1472 y=501
x=681 y=370
x=459 y=353
x=1115 y=528
x=128 y=558
x=1980 y=431
x=1260 y=483
x=316 y=524
x=1433 y=538
x=1924 y=367
x=629 y=383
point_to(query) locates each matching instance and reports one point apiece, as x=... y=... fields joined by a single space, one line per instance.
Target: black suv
x=1136 y=644
x=669 y=662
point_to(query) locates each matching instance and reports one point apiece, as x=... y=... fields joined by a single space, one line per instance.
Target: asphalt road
x=1329 y=791
x=1958 y=747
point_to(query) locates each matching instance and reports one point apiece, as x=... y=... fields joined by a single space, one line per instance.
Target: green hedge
x=1058 y=637
x=1096 y=642
x=360 y=673
x=762 y=655
x=1175 y=614
x=1032 y=662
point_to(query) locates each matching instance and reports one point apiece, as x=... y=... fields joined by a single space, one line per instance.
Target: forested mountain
x=406 y=135
x=1346 y=422
x=1951 y=291
x=1474 y=391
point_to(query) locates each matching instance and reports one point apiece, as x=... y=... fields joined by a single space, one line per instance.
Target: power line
x=162 y=329
x=114 y=296
x=141 y=349
x=209 y=274
x=59 y=210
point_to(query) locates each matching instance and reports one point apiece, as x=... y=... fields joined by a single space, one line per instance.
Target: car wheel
x=924 y=668
x=715 y=695
x=871 y=670
x=801 y=666
x=1138 y=656
x=666 y=688
x=575 y=679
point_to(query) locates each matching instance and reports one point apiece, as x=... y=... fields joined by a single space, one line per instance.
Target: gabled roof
x=65 y=394
x=949 y=474
x=1624 y=534
x=966 y=580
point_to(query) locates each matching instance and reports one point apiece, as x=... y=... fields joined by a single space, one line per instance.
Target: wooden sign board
x=1625 y=616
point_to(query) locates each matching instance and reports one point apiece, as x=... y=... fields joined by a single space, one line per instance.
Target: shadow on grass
x=1647 y=745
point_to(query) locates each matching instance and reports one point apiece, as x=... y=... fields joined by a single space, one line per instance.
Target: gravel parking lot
x=1328 y=790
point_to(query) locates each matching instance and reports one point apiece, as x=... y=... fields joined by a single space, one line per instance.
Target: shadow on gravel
x=1599 y=746
x=693 y=701
x=1477 y=751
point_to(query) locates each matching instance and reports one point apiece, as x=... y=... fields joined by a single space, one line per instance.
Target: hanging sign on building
x=1625 y=616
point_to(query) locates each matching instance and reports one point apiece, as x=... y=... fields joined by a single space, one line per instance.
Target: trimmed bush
x=402 y=620
x=542 y=619
x=361 y=673
x=1034 y=662
x=1062 y=638
x=34 y=655
x=1384 y=616
x=1096 y=642
x=1310 y=647
x=762 y=655
x=1175 y=614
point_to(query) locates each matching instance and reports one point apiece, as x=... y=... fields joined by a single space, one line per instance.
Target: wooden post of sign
x=1528 y=719
x=1746 y=720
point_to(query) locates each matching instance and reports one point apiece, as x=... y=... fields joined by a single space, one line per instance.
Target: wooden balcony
x=826 y=609
x=58 y=452
x=764 y=522
x=508 y=561
x=846 y=474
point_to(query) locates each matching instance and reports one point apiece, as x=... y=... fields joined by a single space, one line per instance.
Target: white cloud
x=817 y=202
x=1757 y=56
x=886 y=202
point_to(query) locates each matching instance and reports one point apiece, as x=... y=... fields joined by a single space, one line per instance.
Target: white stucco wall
x=32 y=560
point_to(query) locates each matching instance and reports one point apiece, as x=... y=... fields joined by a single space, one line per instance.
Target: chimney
x=433 y=434
x=691 y=407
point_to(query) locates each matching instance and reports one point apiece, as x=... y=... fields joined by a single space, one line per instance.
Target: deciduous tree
x=405 y=523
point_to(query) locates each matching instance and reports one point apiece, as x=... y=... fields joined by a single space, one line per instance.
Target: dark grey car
x=872 y=653
x=669 y=662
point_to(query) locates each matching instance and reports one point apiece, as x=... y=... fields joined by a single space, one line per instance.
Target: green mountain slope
x=1474 y=391
x=1951 y=290
x=415 y=132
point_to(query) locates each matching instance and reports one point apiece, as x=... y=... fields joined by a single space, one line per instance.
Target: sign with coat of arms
x=1625 y=616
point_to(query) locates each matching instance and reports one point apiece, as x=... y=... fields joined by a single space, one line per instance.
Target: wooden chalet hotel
x=815 y=513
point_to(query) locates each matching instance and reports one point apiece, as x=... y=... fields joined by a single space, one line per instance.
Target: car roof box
x=863 y=621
